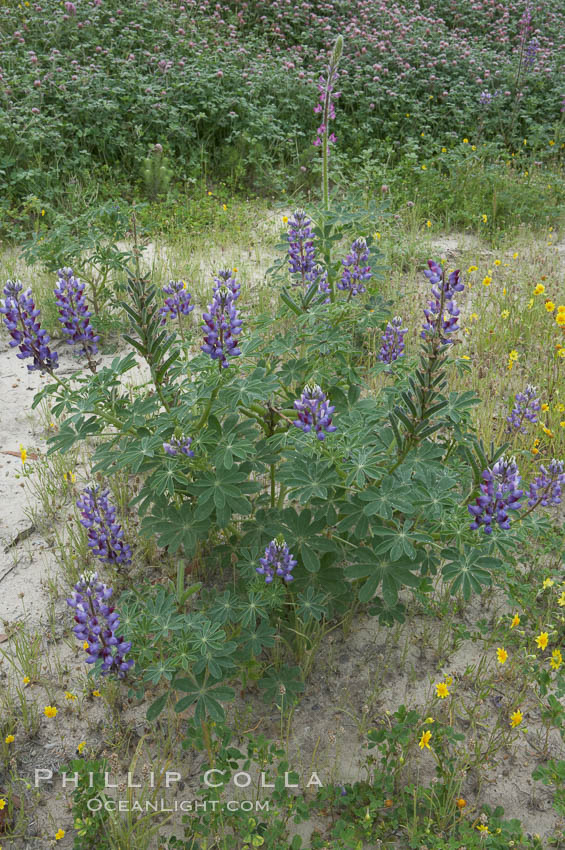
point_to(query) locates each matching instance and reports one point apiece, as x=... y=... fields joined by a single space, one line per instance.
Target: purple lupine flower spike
x=222 y=324
x=500 y=493
x=392 y=341
x=314 y=412
x=105 y=535
x=355 y=272
x=326 y=105
x=178 y=302
x=74 y=313
x=21 y=319
x=179 y=444
x=526 y=408
x=97 y=625
x=277 y=560
x=301 y=253
x=442 y=313
x=546 y=489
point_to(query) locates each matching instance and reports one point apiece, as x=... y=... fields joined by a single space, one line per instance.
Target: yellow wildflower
x=461 y=803
x=548 y=582
x=9 y=739
x=23 y=454
x=516 y=718
x=96 y=693
x=50 y=711
x=497 y=262
x=465 y=141
x=515 y=621
x=285 y=219
x=428 y=223
x=542 y=640
x=556 y=659
x=69 y=696
x=505 y=314
x=442 y=690
x=429 y=720
x=425 y=739
x=540 y=289
x=424 y=168
x=444 y=150
x=59 y=834
x=472 y=269
x=81 y=747
x=26 y=680
x=484 y=218
x=561 y=600
x=501 y=655
x=487 y=280
x=549 y=306
x=2 y=804
x=482 y=827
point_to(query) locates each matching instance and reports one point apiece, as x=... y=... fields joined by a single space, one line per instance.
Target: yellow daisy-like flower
x=9 y=739
x=548 y=582
x=560 y=319
x=377 y=235
x=545 y=406
x=81 y=747
x=465 y=141
x=2 y=804
x=560 y=408
x=96 y=693
x=515 y=255
x=424 y=168
x=497 y=262
x=501 y=655
x=442 y=691
x=561 y=600
x=484 y=218
x=50 y=711
x=515 y=621
x=461 y=803
x=428 y=223
x=444 y=150
x=505 y=314
x=23 y=454
x=69 y=696
x=425 y=739
x=561 y=308
x=516 y=718
x=542 y=640
x=551 y=142
x=556 y=659
x=26 y=680
x=473 y=147
x=85 y=645
x=209 y=193
x=487 y=280
x=530 y=303
x=429 y=720
x=59 y=834
x=472 y=269
x=549 y=306
x=482 y=827
x=224 y=207
x=285 y=219
x=547 y=431
x=540 y=289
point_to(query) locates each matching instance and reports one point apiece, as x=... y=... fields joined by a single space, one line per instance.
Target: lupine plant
x=347 y=515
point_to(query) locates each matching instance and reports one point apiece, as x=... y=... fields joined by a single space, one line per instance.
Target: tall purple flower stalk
x=21 y=319
x=392 y=341
x=314 y=412
x=301 y=252
x=526 y=408
x=105 y=535
x=74 y=314
x=355 y=270
x=277 y=560
x=222 y=324
x=500 y=493
x=546 y=488
x=442 y=313
x=178 y=302
x=325 y=107
x=97 y=624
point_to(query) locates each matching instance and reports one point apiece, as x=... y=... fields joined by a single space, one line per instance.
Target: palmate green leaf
x=282 y=687
x=382 y=501
x=352 y=520
x=308 y=478
x=307 y=541
x=468 y=571
x=175 y=527
x=362 y=465
x=253 y=641
x=311 y=605
x=379 y=569
x=221 y=490
x=207 y=696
